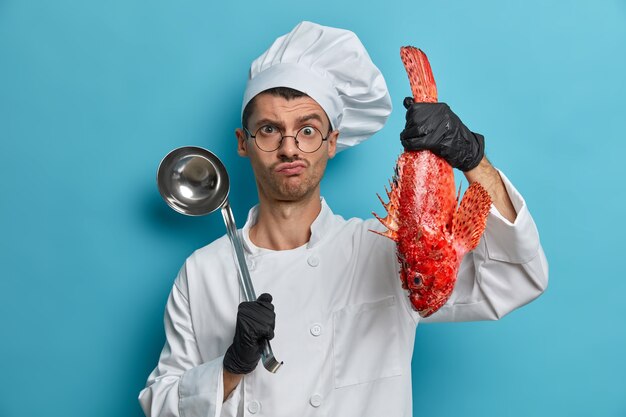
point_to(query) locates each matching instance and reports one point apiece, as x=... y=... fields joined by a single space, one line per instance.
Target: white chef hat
x=332 y=67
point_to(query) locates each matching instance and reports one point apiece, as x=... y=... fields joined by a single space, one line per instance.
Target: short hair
x=285 y=92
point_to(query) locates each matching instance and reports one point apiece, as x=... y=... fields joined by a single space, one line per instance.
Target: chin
x=295 y=193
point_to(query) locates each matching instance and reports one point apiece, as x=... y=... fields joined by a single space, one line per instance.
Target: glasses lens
x=309 y=139
x=268 y=138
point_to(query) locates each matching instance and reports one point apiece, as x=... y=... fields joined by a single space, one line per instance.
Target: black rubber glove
x=433 y=126
x=255 y=325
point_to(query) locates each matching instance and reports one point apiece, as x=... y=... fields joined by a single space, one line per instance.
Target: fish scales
x=431 y=233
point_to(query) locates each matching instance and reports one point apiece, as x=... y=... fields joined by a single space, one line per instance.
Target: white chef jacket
x=344 y=326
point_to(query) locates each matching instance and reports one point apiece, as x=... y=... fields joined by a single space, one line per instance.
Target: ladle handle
x=240 y=259
x=270 y=363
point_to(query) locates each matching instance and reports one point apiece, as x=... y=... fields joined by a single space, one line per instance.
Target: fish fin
x=470 y=218
x=456 y=204
x=387 y=192
x=389 y=222
x=391 y=234
x=385 y=205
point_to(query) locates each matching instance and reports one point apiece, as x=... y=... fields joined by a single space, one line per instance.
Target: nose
x=288 y=147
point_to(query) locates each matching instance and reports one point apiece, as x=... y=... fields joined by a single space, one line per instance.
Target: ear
x=332 y=143
x=242 y=142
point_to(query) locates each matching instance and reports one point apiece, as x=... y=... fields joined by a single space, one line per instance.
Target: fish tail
x=420 y=74
x=470 y=218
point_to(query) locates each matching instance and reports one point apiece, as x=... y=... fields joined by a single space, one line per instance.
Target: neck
x=283 y=225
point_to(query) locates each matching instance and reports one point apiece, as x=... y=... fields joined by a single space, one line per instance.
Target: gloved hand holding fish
x=432 y=234
x=434 y=127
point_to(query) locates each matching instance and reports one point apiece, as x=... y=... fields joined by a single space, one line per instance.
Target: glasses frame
x=282 y=137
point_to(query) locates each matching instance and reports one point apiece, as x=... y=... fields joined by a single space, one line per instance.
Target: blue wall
x=94 y=94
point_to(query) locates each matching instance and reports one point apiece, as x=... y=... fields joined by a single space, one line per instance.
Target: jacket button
x=313 y=260
x=254 y=407
x=316 y=400
x=316 y=329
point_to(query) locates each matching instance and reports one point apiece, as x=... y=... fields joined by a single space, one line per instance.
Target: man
x=337 y=314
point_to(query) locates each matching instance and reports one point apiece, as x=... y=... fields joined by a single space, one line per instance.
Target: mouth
x=290 y=168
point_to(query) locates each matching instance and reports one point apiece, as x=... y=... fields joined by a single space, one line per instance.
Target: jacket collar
x=319 y=228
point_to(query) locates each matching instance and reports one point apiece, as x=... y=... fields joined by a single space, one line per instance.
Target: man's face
x=287 y=174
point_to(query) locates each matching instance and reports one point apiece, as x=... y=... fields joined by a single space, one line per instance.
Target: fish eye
x=417 y=279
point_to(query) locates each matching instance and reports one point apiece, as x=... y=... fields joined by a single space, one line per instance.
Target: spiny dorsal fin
x=389 y=233
x=391 y=220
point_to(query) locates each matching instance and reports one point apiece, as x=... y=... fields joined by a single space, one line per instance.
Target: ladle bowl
x=193 y=181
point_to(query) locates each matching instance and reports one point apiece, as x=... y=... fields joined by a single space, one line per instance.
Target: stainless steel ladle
x=193 y=181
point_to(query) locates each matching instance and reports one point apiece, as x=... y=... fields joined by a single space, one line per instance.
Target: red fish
x=432 y=234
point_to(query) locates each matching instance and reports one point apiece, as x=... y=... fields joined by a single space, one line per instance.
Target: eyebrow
x=301 y=119
x=313 y=116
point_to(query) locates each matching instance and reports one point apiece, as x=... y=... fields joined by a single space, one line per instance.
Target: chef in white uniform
x=339 y=318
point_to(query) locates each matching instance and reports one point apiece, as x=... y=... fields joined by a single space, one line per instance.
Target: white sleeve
x=182 y=385
x=507 y=269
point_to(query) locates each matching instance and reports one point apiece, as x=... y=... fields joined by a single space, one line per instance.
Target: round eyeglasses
x=268 y=138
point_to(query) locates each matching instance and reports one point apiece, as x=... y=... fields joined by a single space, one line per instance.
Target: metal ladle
x=193 y=181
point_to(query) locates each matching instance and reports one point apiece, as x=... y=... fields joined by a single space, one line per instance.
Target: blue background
x=94 y=94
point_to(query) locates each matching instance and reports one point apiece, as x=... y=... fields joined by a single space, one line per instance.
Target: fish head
x=429 y=265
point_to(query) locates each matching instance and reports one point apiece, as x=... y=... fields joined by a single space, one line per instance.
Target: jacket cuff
x=516 y=242
x=201 y=390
